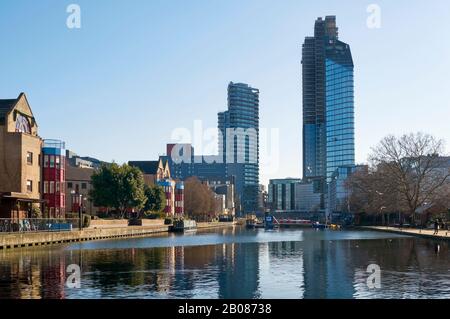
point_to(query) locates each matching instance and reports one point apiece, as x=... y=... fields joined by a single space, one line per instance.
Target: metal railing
x=14 y=225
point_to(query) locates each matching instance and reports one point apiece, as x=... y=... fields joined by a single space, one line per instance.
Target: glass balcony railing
x=54 y=144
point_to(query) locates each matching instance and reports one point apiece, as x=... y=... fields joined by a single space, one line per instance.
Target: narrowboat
x=183 y=225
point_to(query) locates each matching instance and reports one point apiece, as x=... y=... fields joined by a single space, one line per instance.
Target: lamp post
x=382 y=216
x=80 y=212
x=80 y=222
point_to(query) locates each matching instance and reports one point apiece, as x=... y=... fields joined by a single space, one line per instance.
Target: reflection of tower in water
x=171 y=275
x=238 y=274
x=164 y=276
x=327 y=271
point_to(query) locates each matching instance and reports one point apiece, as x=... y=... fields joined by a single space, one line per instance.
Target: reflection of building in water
x=28 y=277
x=404 y=263
x=54 y=275
x=164 y=276
x=238 y=275
x=327 y=271
x=184 y=280
x=281 y=273
x=26 y=274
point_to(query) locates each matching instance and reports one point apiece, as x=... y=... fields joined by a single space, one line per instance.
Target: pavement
x=427 y=233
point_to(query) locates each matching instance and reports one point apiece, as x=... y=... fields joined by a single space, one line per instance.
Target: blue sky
x=136 y=70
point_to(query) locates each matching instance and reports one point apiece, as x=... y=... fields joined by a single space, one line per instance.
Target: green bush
x=103 y=215
x=168 y=221
x=70 y=215
x=135 y=222
x=36 y=212
x=155 y=215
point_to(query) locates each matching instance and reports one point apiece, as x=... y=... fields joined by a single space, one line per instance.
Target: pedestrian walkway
x=427 y=233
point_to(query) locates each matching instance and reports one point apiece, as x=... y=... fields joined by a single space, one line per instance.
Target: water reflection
x=233 y=263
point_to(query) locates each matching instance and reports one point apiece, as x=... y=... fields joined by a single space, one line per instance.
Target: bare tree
x=411 y=168
x=199 y=201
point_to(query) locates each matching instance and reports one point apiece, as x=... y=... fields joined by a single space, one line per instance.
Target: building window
x=52 y=211
x=45 y=187
x=45 y=161
x=22 y=124
x=57 y=160
x=57 y=187
x=83 y=185
x=52 y=161
x=29 y=186
x=69 y=185
x=52 y=187
x=29 y=158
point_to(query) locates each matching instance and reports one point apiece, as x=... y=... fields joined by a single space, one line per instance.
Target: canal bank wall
x=214 y=225
x=423 y=233
x=19 y=240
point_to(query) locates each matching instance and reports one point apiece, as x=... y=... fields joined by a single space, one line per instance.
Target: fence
x=14 y=225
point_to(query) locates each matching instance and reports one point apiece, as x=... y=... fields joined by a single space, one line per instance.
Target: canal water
x=234 y=263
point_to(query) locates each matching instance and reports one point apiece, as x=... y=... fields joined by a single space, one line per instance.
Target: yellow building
x=20 y=158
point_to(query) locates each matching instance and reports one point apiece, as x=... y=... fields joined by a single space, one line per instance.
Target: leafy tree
x=119 y=187
x=105 y=185
x=131 y=189
x=156 y=199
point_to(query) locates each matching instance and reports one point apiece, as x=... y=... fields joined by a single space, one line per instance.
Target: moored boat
x=318 y=225
x=251 y=222
x=183 y=225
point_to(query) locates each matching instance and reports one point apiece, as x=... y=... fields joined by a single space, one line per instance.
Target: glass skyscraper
x=340 y=124
x=328 y=104
x=239 y=142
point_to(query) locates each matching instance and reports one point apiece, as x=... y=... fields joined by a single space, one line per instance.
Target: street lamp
x=80 y=221
x=381 y=209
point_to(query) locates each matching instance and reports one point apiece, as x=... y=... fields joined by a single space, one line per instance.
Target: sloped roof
x=6 y=106
x=147 y=167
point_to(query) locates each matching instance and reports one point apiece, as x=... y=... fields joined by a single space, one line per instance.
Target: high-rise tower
x=239 y=142
x=328 y=103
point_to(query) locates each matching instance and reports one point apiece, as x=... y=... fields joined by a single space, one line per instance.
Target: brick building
x=20 y=159
x=158 y=173
x=53 y=178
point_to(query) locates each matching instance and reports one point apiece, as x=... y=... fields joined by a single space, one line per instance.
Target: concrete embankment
x=424 y=233
x=98 y=232
x=214 y=225
x=15 y=240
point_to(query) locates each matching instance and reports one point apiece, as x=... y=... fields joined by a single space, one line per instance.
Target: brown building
x=153 y=171
x=158 y=173
x=20 y=158
x=78 y=186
